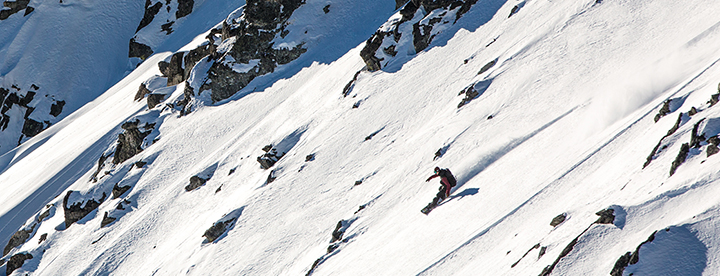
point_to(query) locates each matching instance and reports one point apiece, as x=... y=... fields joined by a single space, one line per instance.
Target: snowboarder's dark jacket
x=446 y=178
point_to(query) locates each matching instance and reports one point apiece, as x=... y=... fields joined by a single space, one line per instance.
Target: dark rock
x=372 y=63
x=106 y=220
x=140 y=164
x=28 y=10
x=185 y=7
x=195 y=182
x=218 y=189
x=351 y=84
x=692 y=111
x=470 y=94
x=606 y=216
x=620 y=265
x=139 y=50
x=231 y=171
x=100 y=165
x=32 y=127
x=714 y=99
x=118 y=191
x=195 y=55
x=271 y=177
x=629 y=258
x=167 y=27
x=695 y=139
x=357 y=183
x=13 y=7
x=421 y=36
x=438 y=154
x=558 y=220
x=487 y=66
x=542 y=251
x=712 y=150
x=310 y=157
x=150 y=12
x=514 y=10
x=174 y=69
x=56 y=108
x=16 y=261
x=142 y=91
x=714 y=140
x=129 y=142
x=332 y=247
x=217 y=230
x=34 y=87
x=154 y=99
x=338 y=232
x=270 y=157
x=400 y=3
x=682 y=155
x=44 y=215
x=326 y=9
x=75 y=212
x=314 y=265
x=2 y=262
x=19 y=238
x=43 y=237
x=25 y=100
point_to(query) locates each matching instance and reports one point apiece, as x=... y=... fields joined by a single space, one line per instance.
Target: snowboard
x=429 y=208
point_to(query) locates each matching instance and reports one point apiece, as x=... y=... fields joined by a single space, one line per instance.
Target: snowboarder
x=447 y=180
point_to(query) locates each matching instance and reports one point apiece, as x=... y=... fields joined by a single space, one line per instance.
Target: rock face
x=173 y=70
x=14 y=7
x=139 y=50
x=118 y=191
x=195 y=182
x=251 y=52
x=77 y=211
x=17 y=239
x=16 y=261
x=419 y=23
x=270 y=157
x=129 y=142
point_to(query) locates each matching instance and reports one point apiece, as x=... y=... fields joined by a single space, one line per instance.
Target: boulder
x=77 y=211
x=16 y=261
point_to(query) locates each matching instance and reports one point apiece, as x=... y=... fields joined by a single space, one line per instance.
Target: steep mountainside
x=293 y=137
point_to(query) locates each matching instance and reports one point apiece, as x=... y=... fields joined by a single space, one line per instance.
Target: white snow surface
x=573 y=96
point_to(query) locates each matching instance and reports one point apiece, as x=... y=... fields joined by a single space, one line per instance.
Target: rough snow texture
x=539 y=108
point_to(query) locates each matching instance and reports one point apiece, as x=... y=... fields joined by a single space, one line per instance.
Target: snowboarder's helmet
x=437 y=169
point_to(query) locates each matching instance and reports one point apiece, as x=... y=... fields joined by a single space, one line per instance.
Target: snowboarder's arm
x=431 y=177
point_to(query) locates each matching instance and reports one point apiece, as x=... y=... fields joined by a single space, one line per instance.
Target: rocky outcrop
x=139 y=50
x=150 y=12
x=185 y=7
x=106 y=220
x=665 y=110
x=270 y=157
x=79 y=210
x=680 y=158
x=195 y=182
x=14 y=6
x=56 y=108
x=118 y=191
x=129 y=142
x=215 y=231
x=16 y=261
x=629 y=258
x=173 y=70
x=19 y=238
x=422 y=28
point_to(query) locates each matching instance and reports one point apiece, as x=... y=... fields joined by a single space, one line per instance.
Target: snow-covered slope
x=294 y=138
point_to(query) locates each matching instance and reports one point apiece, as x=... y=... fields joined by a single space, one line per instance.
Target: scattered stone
x=173 y=70
x=487 y=66
x=12 y=7
x=271 y=177
x=142 y=91
x=32 y=127
x=106 y=220
x=154 y=99
x=185 y=7
x=514 y=10
x=326 y=9
x=310 y=157
x=167 y=27
x=358 y=182
x=150 y=12
x=629 y=258
x=75 y=212
x=337 y=234
x=16 y=261
x=558 y=220
x=270 y=157
x=362 y=207
x=332 y=247
x=17 y=239
x=692 y=111
x=351 y=84
x=217 y=230
x=606 y=216
x=663 y=111
x=470 y=94
x=714 y=99
x=45 y=214
x=438 y=154
x=118 y=191
x=682 y=155
x=195 y=182
x=43 y=237
x=140 y=164
x=218 y=189
x=542 y=251
x=536 y=246
x=712 y=150
x=231 y=171
x=56 y=108
x=129 y=143
x=28 y=10
x=139 y=50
